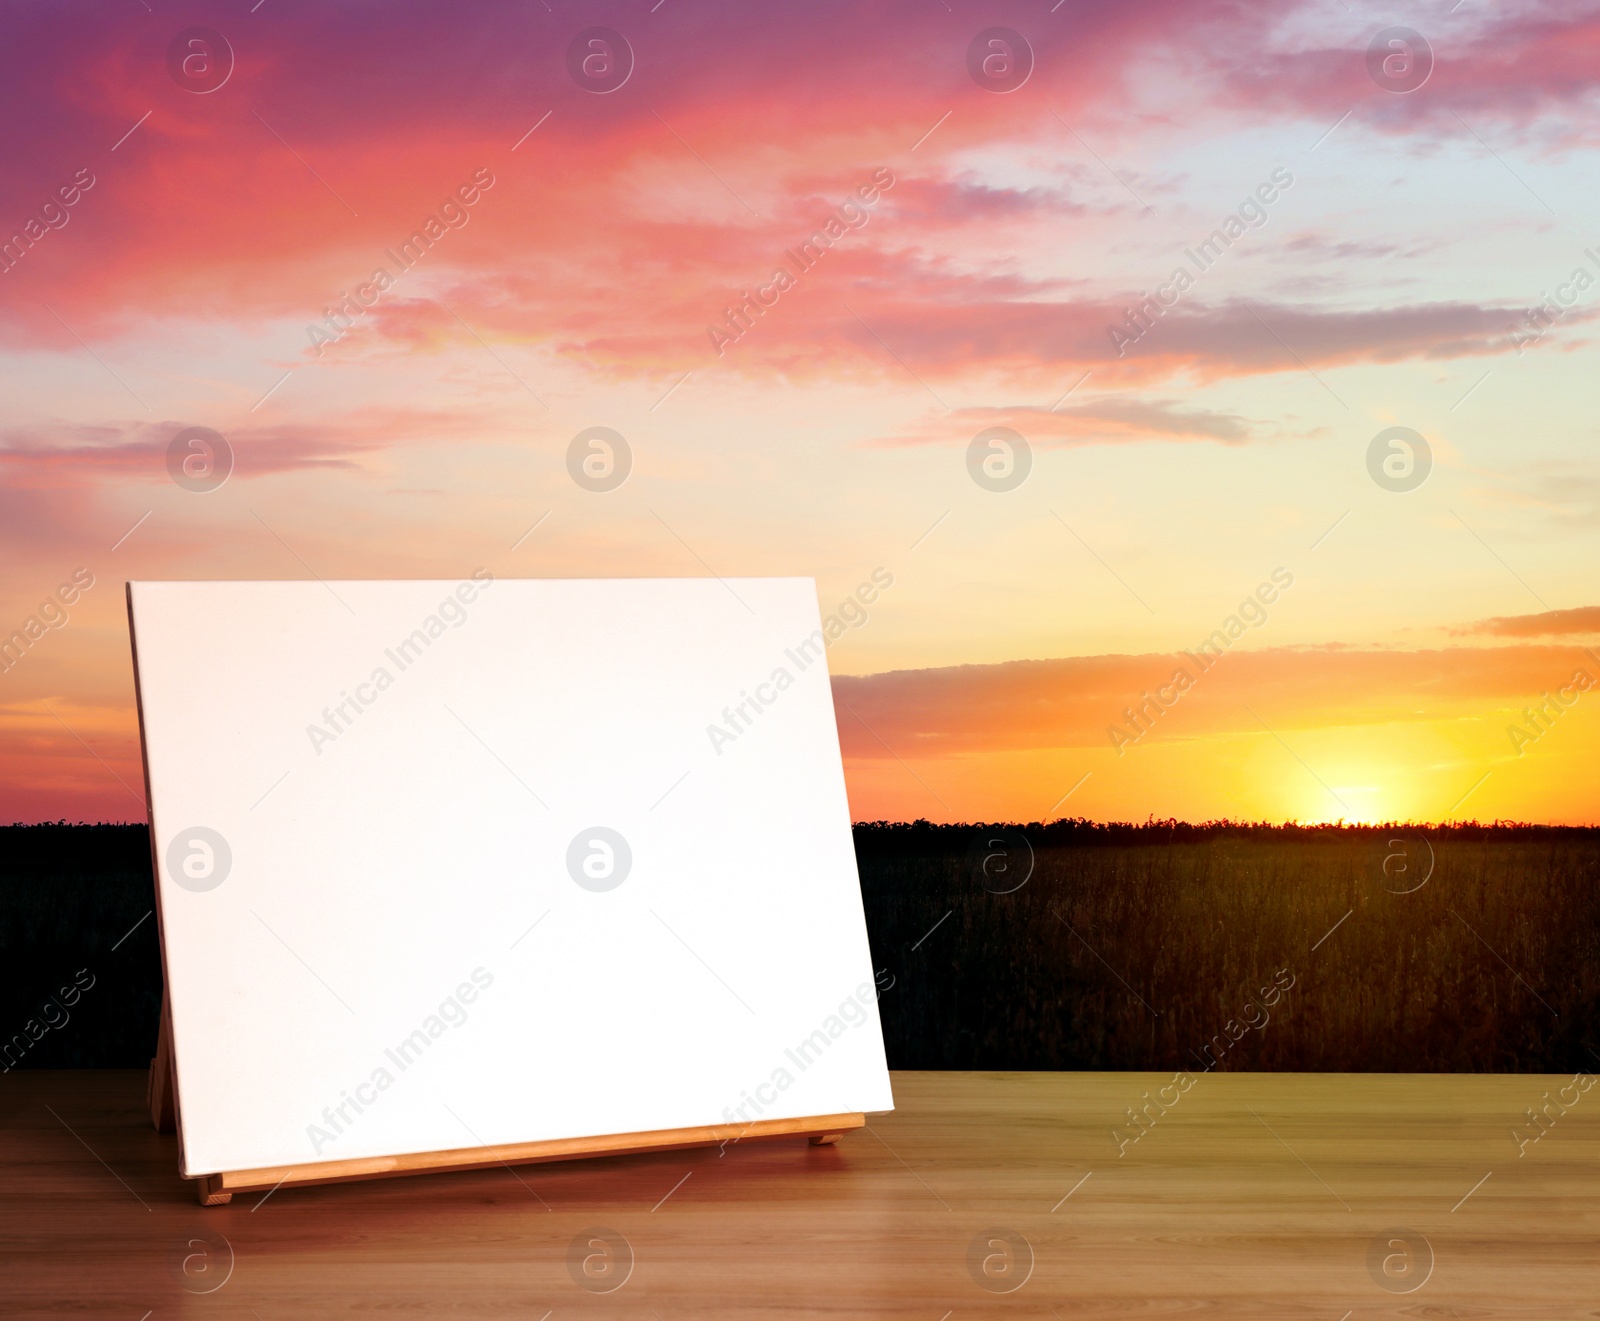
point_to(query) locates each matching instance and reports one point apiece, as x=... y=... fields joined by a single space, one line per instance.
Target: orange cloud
x=1547 y=623
x=1077 y=701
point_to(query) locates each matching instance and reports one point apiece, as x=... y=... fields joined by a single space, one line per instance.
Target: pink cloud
x=621 y=228
x=1536 y=62
x=1109 y=420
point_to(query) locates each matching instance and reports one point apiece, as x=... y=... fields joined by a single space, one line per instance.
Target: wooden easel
x=218 y=1189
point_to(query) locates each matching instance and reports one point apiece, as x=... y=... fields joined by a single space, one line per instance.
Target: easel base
x=218 y=1189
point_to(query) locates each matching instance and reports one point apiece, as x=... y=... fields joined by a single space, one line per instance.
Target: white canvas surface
x=397 y=871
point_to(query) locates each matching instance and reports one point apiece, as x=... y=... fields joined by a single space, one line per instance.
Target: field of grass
x=1168 y=946
x=1068 y=946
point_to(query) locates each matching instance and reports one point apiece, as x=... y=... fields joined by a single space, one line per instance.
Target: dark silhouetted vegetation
x=68 y=894
x=1152 y=946
x=1070 y=945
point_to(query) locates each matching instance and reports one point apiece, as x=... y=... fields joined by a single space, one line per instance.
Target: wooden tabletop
x=982 y=1195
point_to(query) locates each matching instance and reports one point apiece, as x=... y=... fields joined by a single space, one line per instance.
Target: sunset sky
x=1392 y=281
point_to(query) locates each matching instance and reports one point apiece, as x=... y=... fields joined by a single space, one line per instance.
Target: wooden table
x=1247 y=1195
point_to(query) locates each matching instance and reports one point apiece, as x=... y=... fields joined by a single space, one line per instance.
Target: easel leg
x=209 y=1189
x=158 y=1092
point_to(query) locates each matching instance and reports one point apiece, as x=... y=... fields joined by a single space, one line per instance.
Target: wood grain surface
x=1250 y=1195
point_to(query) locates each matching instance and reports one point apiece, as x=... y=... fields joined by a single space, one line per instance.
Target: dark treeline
x=933 y=839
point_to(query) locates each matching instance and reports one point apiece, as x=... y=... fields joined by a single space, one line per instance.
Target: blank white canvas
x=402 y=875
